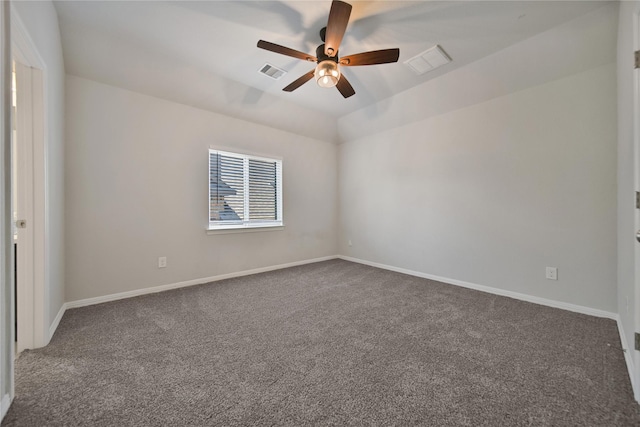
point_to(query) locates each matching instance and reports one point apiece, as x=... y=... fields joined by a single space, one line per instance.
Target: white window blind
x=244 y=191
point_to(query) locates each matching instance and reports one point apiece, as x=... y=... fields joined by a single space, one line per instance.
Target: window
x=244 y=191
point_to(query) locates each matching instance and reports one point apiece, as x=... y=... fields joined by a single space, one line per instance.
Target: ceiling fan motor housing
x=322 y=56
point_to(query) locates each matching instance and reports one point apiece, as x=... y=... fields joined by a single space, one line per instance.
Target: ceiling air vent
x=428 y=60
x=271 y=71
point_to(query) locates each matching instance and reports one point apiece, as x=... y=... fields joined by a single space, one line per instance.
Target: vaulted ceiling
x=191 y=52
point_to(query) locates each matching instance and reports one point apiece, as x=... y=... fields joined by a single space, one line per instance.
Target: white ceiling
x=142 y=45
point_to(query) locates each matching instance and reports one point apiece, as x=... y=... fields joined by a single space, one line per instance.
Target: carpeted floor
x=332 y=343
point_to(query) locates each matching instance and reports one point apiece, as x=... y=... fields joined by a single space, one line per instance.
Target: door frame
x=6 y=248
x=636 y=167
x=33 y=328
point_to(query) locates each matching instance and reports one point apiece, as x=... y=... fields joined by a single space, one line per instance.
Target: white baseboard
x=628 y=357
x=496 y=291
x=56 y=321
x=155 y=289
x=4 y=405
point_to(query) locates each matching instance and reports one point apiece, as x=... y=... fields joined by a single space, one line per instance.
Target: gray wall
x=41 y=22
x=137 y=189
x=489 y=188
x=492 y=194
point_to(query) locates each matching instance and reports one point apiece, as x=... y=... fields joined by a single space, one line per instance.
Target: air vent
x=428 y=60
x=271 y=71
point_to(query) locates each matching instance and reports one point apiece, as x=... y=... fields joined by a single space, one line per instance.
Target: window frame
x=231 y=226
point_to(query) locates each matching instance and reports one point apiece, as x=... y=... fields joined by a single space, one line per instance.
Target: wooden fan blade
x=286 y=51
x=383 y=56
x=299 y=82
x=345 y=87
x=337 y=25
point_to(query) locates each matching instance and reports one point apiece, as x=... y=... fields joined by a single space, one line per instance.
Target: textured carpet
x=332 y=343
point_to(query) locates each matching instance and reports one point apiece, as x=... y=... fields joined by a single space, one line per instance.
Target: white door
x=22 y=186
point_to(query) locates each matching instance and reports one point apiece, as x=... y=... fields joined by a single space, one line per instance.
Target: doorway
x=29 y=191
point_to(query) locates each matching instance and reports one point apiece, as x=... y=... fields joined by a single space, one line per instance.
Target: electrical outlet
x=350 y=244
x=552 y=273
x=162 y=262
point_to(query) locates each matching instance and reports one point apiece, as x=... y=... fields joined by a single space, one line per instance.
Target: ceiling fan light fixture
x=327 y=73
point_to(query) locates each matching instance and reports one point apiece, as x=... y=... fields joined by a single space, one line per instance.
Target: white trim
x=240 y=150
x=488 y=289
x=245 y=229
x=7 y=306
x=40 y=204
x=56 y=321
x=23 y=47
x=155 y=289
x=4 y=405
x=628 y=351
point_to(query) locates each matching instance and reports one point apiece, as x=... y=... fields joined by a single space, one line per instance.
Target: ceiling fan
x=327 y=72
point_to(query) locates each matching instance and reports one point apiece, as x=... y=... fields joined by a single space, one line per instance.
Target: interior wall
x=206 y=91
x=581 y=44
x=493 y=193
x=137 y=185
x=41 y=22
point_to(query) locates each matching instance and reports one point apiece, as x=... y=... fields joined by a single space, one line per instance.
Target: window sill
x=233 y=230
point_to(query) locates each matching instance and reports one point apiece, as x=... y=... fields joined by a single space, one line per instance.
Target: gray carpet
x=332 y=343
